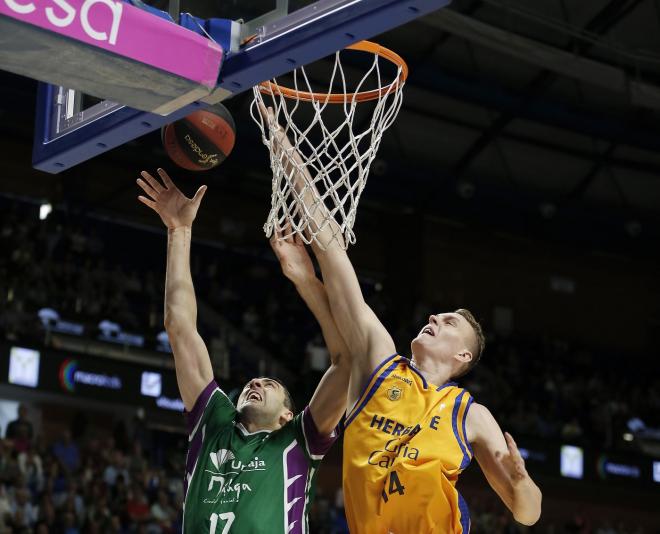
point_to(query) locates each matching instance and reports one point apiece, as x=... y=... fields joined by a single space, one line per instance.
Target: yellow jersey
x=404 y=447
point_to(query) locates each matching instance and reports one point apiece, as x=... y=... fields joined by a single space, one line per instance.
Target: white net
x=320 y=153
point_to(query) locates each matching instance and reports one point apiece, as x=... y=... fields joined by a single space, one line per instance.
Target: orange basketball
x=202 y=140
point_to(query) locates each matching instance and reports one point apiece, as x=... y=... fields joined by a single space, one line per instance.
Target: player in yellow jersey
x=410 y=431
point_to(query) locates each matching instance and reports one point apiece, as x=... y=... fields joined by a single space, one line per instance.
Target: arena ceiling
x=539 y=116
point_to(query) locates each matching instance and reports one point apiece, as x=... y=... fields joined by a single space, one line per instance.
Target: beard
x=258 y=415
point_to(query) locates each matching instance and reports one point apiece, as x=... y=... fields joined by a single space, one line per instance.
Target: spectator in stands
x=20 y=430
x=98 y=508
x=136 y=462
x=66 y=451
x=115 y=469
x=29 y=463
x=72 y=501
x=5 y=507
x=69 y=525
x=23 y=512
x=9 y=470
x=163 y=513
x=137 y=507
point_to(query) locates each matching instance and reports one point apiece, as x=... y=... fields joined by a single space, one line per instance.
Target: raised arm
x=191 y=357
x=367 y=339
x=328 y=403
x=503 y=466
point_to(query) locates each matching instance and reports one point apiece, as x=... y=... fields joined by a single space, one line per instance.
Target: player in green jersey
x=250 y=468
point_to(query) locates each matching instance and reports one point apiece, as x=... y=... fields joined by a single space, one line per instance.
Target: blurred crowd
x=548 y=389
x=89 y=484
x=487 y=516
x=130 y=482
x=91 y=270
x=65 y=265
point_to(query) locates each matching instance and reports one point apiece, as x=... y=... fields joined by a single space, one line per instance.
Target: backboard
x=147 y=68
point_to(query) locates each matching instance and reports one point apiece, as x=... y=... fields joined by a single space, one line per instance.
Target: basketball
x=202 y=140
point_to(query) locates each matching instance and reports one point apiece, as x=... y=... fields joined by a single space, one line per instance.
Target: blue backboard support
x=54 y=153
x=297 y=39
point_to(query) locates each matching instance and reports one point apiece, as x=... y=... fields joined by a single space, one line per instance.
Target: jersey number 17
x=226 y=516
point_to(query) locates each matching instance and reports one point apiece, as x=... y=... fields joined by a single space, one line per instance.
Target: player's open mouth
x=253 y=395
x=428 y=330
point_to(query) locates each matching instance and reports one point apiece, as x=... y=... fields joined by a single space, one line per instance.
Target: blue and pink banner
x=125 y=30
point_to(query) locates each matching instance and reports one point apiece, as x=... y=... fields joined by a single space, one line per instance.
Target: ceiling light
x=44 y=211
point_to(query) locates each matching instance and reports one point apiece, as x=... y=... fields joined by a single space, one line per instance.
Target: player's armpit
x=503 y=466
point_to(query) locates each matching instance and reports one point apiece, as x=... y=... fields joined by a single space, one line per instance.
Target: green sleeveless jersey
x=248 y=483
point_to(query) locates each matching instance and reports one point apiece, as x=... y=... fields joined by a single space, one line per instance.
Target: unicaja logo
x=204 y=159
x=221 y=457
x=107 y=16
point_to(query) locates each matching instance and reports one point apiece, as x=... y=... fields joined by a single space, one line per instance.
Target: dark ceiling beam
x=613 y=13
x=619 y=162
x=445 y=36
x=628 y=81
x=581 y=188
x=510 y=103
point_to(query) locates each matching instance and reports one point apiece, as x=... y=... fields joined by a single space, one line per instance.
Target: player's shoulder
x=479 y=422
x=304 y=431
x=407 y=367
x=391 y=361
x=289 y=428
x=295 y=424
x=479 y=412
x=212 y=406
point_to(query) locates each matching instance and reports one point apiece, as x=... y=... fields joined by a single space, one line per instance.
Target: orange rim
x=271 y=88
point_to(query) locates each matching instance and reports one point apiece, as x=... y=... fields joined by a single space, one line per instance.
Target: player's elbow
x=171 y=323
x=176 y=321
x=530 y=513
x=528 y=521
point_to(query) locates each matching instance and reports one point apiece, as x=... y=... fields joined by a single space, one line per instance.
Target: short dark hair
x=481 y=341
x=288 y=399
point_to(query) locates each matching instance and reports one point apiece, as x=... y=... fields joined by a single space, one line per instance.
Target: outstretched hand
x=294 y=259
x=267 y=115
x=277 y=135
x=512 y=463
x=173 y=207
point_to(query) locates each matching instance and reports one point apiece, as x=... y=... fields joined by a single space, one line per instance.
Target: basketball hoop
x=327 y=162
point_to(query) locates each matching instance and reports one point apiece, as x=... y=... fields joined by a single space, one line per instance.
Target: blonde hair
x=481 y=341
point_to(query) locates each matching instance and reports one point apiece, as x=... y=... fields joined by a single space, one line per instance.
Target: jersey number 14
x=395 y=486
